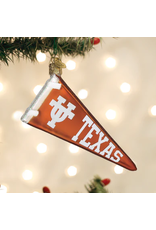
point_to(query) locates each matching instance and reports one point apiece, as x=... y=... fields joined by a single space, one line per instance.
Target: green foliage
x=26 y=47
x=96 y=186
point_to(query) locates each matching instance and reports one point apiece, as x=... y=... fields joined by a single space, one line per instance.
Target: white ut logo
x=59 y=113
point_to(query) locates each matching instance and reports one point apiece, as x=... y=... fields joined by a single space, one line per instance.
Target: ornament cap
x=56 y=65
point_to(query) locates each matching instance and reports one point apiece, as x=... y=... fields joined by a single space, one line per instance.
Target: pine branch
x=26 y=47
x=96 y=186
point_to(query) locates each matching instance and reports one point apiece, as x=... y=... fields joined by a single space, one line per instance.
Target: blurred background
x=116 y=82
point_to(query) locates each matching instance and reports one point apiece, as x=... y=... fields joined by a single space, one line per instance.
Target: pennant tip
x=132 y=167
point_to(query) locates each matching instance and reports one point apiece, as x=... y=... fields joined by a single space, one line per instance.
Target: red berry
x=106 y=181
x=46 y=189
x=95 y=41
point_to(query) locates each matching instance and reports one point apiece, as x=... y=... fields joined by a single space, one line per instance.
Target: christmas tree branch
x=27 y=47
x=96 y=186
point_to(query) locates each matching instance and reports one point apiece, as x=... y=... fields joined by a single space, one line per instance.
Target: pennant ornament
x=58 y=111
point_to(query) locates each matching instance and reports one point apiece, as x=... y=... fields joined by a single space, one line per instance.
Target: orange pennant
x=58 y=111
